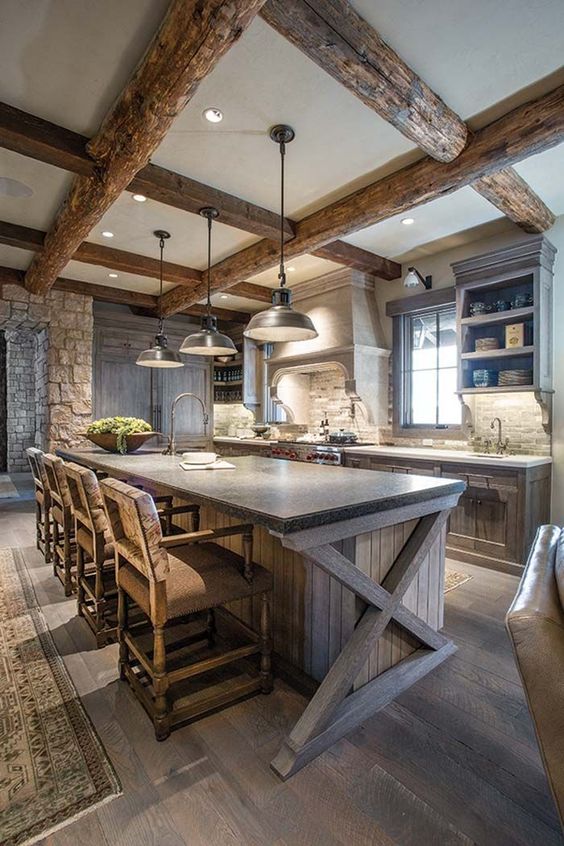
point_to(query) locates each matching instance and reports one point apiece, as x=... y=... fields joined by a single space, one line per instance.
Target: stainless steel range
x=312 y=453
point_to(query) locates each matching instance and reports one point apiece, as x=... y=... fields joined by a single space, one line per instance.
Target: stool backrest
x=35 y=459
x=86 y=496
x=136 y=529
x=57 y=480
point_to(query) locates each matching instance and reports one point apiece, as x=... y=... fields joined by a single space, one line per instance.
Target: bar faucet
x=501 y=445
x=171 y=448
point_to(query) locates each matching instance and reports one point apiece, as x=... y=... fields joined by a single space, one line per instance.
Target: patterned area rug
x=53 y=767
x=454 y=579
x=7 y=487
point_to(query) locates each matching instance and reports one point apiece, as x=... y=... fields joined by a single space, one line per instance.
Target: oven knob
x=334 y=458
x=293 y=455
x=309 y=457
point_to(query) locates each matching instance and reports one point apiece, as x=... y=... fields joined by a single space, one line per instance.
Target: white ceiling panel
x=49 y=186
x=133 y=225
x=13 y=257
x=100 y=276
x=264 y=80
x=67 y=60
x=461 y=210
x=472 y=54
x=297 y=270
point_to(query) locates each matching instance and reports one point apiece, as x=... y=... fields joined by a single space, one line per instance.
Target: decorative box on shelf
x=504 y=321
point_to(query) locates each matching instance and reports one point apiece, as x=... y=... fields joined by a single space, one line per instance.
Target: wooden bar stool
x=184 y=584
x=42 y=502
x=64 y=545
x=95 y=583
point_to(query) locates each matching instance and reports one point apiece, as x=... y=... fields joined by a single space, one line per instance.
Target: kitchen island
x=358 y=565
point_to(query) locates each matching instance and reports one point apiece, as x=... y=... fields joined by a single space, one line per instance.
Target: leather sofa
x=535 y=622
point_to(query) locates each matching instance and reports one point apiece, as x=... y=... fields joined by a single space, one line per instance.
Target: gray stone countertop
x=284 y=496
x=454 y=455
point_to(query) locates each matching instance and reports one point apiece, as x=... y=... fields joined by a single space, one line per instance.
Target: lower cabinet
x=496 y=518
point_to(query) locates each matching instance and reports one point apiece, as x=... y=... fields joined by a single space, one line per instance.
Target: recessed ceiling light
x=113 y=275
x=107 y=234
x=291 y=269
x=223 y=296
x=139 y=198
x=14 y=188
x=213 y=115
x=407 y=221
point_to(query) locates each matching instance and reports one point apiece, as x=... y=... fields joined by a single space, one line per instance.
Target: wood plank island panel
x=313 y=615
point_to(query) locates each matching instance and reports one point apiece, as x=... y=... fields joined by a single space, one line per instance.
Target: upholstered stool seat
x=199 y=578
x=173 y=580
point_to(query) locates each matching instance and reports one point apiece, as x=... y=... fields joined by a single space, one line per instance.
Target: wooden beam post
x=528 y=129
x=190 y=41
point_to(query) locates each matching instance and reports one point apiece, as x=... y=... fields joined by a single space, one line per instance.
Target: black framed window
x=429 y=371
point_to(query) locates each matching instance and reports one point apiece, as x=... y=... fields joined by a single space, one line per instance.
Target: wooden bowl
x=109 y=441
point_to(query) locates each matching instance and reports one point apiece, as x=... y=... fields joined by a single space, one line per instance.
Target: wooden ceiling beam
x=46 y=142
x=529 y=129
x=509 y=193
x=189 y=43
x=119 y=296
x=100 y=255
x=333 y=35
x=25 y=238
x=41 y=140
x=359 y=259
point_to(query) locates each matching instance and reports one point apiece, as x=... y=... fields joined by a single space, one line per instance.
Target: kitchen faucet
x=171 y=448
x=501 y=445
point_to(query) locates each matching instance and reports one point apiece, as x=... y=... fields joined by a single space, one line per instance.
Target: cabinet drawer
x=487 y=477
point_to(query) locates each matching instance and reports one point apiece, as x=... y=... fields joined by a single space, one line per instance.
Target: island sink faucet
x=171 y=448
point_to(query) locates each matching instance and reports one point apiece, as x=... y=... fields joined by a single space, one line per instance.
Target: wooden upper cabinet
x=502 y=288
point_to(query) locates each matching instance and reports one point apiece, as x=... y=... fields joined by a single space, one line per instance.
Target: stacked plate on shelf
x=485 y=344
x=515 y=377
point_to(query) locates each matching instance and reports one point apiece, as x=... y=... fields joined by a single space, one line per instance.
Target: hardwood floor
x=453 y=761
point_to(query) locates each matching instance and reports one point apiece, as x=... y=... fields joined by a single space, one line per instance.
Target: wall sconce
x=413 y=278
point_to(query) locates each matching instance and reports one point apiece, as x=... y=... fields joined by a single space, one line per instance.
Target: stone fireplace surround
x=48 y=369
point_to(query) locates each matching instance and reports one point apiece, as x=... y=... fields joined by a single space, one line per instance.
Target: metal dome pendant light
x=280 y=322
x=208 y=341
x=160 y=355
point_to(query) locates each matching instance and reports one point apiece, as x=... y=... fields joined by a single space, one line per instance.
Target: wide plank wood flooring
x=452 y=762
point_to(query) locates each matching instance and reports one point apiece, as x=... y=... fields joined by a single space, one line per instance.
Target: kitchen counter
x=283 y=496
x=226 y=439
x=454 y=455
x=357 y=559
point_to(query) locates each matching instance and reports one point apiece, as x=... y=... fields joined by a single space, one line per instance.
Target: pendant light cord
x=209 y=216
x=161 y=321
x=282 y=273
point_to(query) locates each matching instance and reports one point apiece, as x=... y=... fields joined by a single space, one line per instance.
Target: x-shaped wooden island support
x=334 y=710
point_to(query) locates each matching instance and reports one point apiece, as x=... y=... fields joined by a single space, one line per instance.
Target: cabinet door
x=122 y=388
x=462 y=522
x=194 y=377
x=497 y=532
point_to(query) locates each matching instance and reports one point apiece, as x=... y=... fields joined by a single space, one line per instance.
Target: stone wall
x=231 y=417
x=20 y=396
x=58 y=397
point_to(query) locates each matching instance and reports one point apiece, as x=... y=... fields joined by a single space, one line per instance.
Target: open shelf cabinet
x=519 y=276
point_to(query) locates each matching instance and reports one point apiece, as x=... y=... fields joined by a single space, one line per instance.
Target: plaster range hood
x=343 y=309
